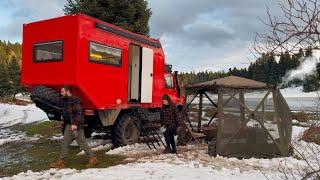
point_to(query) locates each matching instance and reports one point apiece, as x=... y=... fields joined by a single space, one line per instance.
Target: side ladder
x=147 y=131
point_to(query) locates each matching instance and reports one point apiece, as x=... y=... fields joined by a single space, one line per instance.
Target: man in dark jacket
x=73 y=128
x=170 y=119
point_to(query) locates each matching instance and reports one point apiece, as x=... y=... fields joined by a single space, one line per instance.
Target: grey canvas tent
x=252 y=118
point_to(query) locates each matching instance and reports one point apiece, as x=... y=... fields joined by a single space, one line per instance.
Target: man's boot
x=58 y=164
x=173 y=150
x=166 y=138
x=167 y=150
x=92 y=162
x=173 y=144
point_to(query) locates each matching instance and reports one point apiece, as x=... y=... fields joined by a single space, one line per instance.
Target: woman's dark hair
x=67 y=88
x=166 y=97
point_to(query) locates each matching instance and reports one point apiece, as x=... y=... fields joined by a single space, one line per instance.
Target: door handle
x=151 y=74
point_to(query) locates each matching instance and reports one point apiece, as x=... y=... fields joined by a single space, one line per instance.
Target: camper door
x=147 y=75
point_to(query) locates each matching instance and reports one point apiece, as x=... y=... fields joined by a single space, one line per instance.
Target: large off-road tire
x=125 y=130
x=87 y=132
x=49 y=100
x=47 y=94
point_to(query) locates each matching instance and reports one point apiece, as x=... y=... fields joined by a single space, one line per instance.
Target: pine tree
x=10 y=55
x=14 y=77
x=274 y=71
x=132 y=15
x=4 y=81
x=250 y=71
x=311 y=83
x=300 y=54
x=284 y=63
x=308 y=52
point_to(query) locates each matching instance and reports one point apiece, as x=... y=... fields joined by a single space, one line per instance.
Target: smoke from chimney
x=308 y=66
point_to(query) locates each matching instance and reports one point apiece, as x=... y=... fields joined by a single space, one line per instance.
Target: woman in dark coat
x=170 y=119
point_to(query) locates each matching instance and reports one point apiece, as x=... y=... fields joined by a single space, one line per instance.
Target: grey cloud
x=171 y=15
x=208 y=33
x=37 y=10
x=26 y=11
x=195 y=33
x=12 y=31
x=241 y=16
x=211 y=44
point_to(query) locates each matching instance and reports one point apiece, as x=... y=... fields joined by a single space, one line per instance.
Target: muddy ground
x=33 y=148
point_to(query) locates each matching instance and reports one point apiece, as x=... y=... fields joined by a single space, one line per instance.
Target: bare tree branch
x=297 y=28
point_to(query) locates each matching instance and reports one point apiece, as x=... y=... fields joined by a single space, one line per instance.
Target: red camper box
x=111 y=70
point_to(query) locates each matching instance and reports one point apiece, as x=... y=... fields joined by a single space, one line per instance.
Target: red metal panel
x=107 y=85
x=58 y=72
x=103 y=84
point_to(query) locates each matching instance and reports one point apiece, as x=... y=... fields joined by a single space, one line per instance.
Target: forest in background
x=265 y=69
x=10 y=66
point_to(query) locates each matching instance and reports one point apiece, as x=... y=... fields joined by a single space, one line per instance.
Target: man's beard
x=65 y=97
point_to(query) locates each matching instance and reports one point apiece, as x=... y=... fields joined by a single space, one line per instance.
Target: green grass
x=37 y=156
x=45 y=129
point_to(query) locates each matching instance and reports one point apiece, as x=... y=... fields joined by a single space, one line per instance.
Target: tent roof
x=233 y=82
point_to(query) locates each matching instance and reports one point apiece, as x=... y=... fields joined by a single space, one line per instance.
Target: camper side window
x=168 y=80
x=48 y=51
x=104 y=54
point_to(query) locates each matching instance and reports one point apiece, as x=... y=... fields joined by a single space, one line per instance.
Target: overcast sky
x=196 y=34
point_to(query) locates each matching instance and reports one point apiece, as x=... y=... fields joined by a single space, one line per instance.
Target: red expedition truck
x=113 y=71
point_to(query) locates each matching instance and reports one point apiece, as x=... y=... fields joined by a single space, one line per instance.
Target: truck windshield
x=168 y=81
x=48 y=51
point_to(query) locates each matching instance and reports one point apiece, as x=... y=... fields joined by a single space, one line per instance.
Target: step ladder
x=149 y=131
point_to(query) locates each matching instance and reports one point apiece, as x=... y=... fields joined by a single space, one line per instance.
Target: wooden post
x=185 y=95
x=262 y=113
x=242 y=109
x=220 y=120
x=200 y=111
x=186 y=107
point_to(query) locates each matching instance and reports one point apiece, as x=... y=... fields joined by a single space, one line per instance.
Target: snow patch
x=7 y=135
x=98 y=148
x=131 y=150
x=148 y=170
x=14 y=114
x=298 y=92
